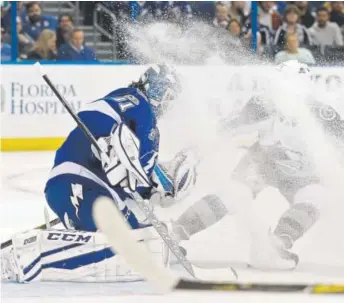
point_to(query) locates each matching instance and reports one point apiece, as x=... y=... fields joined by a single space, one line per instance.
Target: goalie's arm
x=128 y=156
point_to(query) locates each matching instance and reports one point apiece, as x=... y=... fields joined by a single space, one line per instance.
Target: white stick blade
x=110 y=221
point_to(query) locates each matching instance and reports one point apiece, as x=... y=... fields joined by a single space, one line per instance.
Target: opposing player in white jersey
x=124 y=123
x=281 y=158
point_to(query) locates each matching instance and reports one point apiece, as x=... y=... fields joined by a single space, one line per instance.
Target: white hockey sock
x=297 y=220
x=198 y=217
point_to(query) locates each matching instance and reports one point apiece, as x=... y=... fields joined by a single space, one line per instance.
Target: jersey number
x=126 y=102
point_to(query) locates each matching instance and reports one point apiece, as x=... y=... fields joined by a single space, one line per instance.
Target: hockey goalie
x=124 y=122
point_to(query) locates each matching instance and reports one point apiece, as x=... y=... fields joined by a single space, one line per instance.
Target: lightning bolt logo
x=76 y=193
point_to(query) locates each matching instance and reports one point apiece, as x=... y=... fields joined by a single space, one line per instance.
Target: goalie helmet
x=160 y=84
x=293 y=67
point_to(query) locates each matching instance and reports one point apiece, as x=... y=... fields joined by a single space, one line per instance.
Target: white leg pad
x=64 y=255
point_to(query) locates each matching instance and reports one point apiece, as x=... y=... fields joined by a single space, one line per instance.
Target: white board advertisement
x=29 y=108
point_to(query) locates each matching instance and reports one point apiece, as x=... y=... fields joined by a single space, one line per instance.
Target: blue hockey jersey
x=75 y=158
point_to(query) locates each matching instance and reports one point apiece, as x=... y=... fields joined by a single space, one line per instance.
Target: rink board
x=33 y=119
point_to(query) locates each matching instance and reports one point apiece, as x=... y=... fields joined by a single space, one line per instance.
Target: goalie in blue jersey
x=80 y=175
x=124 y=124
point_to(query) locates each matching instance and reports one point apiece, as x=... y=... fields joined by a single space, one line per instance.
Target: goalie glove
x=175 y=180
x=121 y=159
x=184 y=174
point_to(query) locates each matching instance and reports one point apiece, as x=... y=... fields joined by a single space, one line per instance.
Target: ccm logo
x=30 y=240
x=69 y=237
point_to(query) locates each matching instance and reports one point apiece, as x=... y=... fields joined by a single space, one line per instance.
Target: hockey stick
x=43 y=226
x=159 y=227
x=118 y=232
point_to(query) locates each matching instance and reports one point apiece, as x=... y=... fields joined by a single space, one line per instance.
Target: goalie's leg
x=72 y=201
x=65 y=255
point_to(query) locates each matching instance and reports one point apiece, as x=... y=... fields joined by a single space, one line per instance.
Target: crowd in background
x=302 y=30
x=42 y=37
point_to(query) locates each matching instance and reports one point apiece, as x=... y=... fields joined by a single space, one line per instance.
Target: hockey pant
x=72 y=201
x=259 y=168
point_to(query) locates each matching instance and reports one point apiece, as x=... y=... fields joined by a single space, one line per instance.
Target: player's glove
x=120 y=158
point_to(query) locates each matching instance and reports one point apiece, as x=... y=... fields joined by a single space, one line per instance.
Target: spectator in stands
x=234 y=28
x=25 y=42
x=75 y=48
x=327 y=5
x=204 y=10
x=294 y=52
x=306 y=17
x=247 y=39
x=6 y=52
x=6 y=15
x=34 y=23
x=264 y=33
x=236 y=11
x=337 y=12
x=147 y=11
x=176 y=11
x=325 y=32
x=291 y=25
x=64 y=29
x=5 y=48
x=45 y=46
x=121 y=9
x=268 y=16
x=221 y=15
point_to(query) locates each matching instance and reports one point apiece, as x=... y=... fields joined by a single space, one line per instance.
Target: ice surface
x=22 y=202
x=178 y=297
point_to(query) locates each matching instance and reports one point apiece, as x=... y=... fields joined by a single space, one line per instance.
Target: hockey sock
x=297 y=220
x=199 y=216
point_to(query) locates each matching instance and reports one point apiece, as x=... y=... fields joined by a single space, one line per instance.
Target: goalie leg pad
x=63 y=255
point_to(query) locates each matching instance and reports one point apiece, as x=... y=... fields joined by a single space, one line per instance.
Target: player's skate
x=270 y=253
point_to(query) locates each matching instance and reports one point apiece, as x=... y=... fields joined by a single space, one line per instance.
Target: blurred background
x=309 y=31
